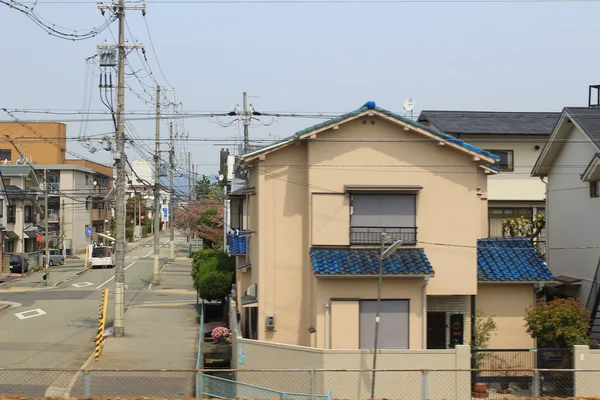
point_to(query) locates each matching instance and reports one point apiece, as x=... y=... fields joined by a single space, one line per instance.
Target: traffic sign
x=165 y=213
x=88 y=231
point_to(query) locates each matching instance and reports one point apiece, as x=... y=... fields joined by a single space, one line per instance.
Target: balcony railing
x=53 y=215
x=372 y=235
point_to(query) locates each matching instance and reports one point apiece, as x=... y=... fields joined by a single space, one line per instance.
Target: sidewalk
x=161 y=334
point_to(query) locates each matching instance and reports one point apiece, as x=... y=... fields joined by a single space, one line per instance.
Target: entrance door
x=436 y=330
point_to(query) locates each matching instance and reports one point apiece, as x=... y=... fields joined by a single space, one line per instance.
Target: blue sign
x=165 y=213
x=89 y=231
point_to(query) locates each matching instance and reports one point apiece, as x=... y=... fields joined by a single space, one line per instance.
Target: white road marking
x=168 y=301
x=28 y=314
x=113 y=277
x=82 y=284
x=150 y=252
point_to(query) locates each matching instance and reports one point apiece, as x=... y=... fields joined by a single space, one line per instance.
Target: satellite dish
x=221 y=177
x=409 y=104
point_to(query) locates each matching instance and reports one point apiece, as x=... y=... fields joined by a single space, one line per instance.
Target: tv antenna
x=409 y=106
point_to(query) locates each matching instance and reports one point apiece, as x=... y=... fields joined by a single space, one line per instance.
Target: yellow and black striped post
x=101 y=324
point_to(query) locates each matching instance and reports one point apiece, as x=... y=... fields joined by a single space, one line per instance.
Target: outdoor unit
x=251 y=290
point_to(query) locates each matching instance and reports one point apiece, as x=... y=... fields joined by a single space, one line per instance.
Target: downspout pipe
x=327 y=325
x=424 y=313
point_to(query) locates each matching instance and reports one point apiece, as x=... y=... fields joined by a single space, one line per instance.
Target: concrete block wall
x=452 y=305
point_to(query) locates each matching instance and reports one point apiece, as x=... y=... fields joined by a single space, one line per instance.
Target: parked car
x=56 y=257
x=18 y=265
x=103 y=256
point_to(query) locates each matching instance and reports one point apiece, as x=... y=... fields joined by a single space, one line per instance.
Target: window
x=506 y=162
x=28 y=214
x=6 y=181
x=595 y=189
x=10 y=214
x=1 y=208
x=393 y=324
x=5 y=154
x=9 y=246
x=372 y=214
x=28 y=183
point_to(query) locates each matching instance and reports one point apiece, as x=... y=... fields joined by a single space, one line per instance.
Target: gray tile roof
x=491 y=123
x=588 y=118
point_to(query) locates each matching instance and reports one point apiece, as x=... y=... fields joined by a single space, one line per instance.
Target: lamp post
x=385 y=253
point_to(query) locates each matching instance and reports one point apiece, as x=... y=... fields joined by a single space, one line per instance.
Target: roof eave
x=541 y=169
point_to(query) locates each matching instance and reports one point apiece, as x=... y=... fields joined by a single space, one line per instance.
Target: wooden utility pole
x=157 y=213
x=171 y=192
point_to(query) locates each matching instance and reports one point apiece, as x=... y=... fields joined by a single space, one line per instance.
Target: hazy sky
x=303 y=57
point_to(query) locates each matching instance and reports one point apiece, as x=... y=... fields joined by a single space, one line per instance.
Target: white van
x=103 y=256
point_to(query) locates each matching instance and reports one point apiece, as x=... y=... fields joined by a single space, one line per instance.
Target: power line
x=327 y=2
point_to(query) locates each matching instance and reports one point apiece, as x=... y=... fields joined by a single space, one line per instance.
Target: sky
x=301 y=57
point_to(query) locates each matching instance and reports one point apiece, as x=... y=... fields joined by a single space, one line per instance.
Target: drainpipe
x=424 y=314
x=326 y=325
x=547 y=211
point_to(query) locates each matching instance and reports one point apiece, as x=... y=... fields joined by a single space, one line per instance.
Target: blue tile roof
x=237 y=244
x=366 y=262
x=510 y=259
x=370 y=105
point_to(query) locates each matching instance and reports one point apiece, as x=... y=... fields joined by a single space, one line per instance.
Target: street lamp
x=385 y=253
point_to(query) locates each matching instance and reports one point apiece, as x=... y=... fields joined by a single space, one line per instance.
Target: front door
x=436 y=330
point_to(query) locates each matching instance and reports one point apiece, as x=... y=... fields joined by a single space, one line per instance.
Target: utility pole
x=157 y=190
x=46 y=241
x=171 y=190
x=134 y=221
x=120 y=7
x=246 y=125
x=62 y=230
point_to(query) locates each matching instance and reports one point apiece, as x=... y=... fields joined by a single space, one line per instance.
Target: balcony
x=367 y=235
x=99 y=214
x=53 y=215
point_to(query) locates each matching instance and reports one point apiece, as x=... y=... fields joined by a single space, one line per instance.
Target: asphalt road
x=54 y=327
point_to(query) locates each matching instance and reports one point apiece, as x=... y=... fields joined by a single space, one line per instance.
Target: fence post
x=536 y=383
x=86 y=384
x=312 y=383
x=425 y=382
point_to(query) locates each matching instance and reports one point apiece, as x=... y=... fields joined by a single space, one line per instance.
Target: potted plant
x=221 y=335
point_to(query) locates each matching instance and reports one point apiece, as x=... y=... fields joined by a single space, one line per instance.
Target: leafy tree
x=525 y=227
x=560 y=323
x=204 y=218
x=484 y=328
x=212 y=273
x=135 y=201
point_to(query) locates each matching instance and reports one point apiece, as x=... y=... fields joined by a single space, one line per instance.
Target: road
x=54 y=327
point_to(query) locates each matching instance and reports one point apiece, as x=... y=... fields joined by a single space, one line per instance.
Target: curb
x=72 y=277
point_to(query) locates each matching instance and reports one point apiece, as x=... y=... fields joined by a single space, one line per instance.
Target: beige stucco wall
x=75 y=217
x=451 y=210
x=345 y=375
x=517 y=184
x=344 y=327
x=507 y=303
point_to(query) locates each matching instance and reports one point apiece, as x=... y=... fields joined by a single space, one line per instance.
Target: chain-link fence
x=301 y=384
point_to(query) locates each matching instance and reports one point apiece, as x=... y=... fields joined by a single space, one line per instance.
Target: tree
x=483 y=329
x=560 y=323
x=213 y=274
x=203 y=217
x=140 y=204
x=525 y=227
x=207 y=189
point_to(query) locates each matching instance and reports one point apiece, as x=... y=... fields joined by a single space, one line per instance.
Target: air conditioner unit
x=251 y=291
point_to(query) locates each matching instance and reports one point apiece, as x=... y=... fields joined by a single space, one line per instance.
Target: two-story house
x=22 y=210
x=517 y=138
x=310 y=223
x=570 y=163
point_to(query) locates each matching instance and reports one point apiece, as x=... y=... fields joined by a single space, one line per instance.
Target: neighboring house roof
x=587 y=119
x=491 y=123
x=368 y=108
x=366 y=262
x=13 y=191
x=509 y=259
x=15 y=170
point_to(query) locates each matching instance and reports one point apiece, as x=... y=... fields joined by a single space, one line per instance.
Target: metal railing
x=372 y=235
x=198 y=385
x=300 y=384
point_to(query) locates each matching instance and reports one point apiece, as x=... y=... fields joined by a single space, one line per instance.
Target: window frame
x=28 y=213
x=11 y=214
x=9 y=158
x=510 y=155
